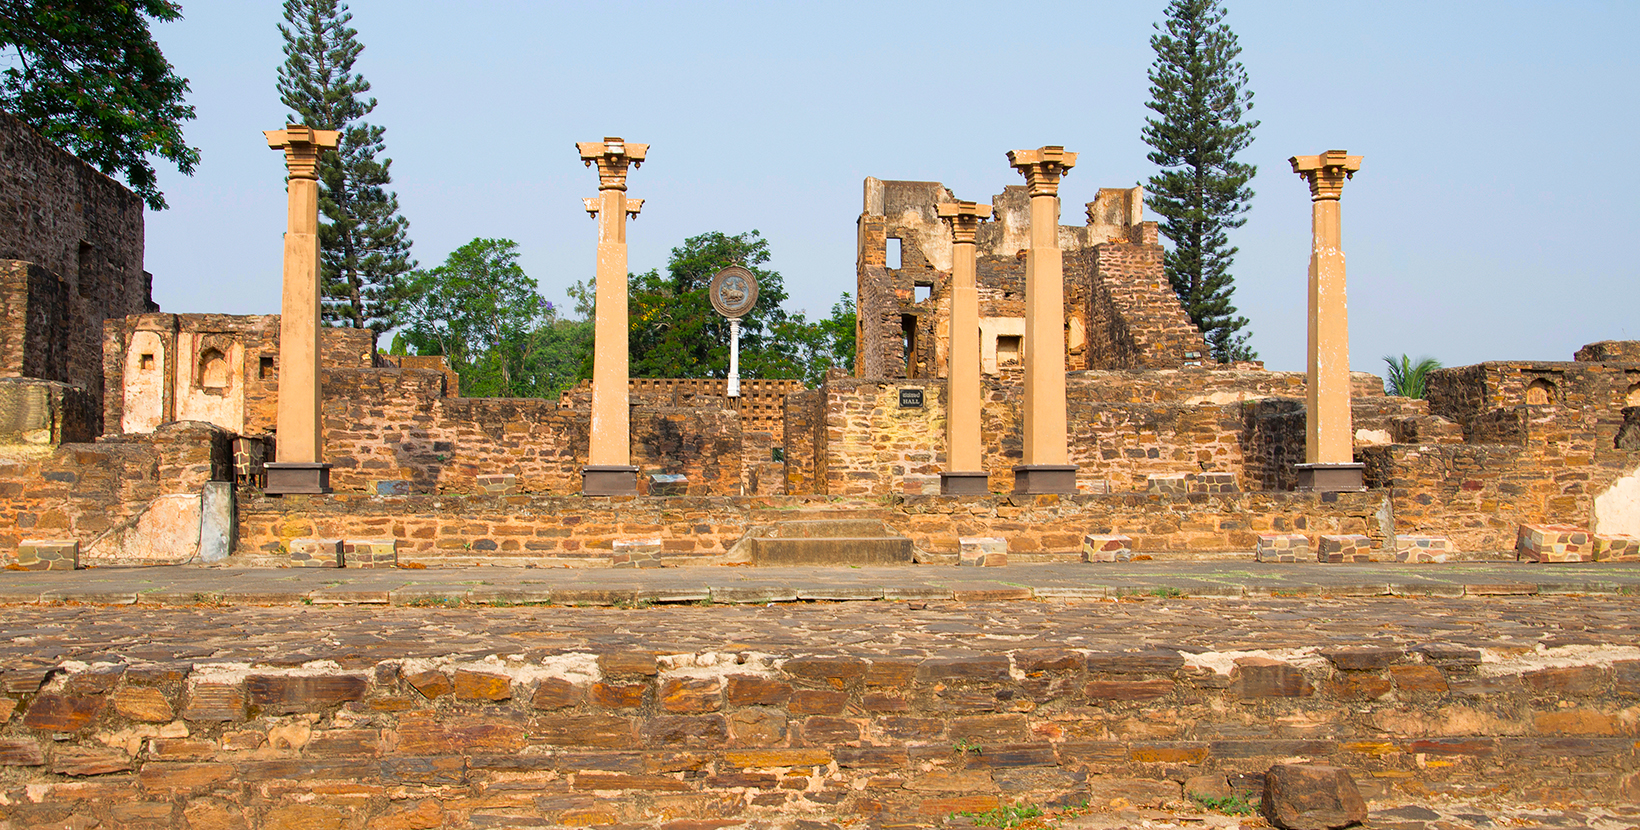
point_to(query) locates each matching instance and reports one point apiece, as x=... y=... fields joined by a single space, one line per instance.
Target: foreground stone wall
x=632 y=736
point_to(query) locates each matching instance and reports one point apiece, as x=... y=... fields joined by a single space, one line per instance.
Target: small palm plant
x=1406 y=378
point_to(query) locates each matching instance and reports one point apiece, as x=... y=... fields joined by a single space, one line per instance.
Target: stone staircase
x=826 y=541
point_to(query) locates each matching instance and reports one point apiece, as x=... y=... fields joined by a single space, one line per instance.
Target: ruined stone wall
x=156 y=369
x=84 y=230
x=1123 y=427
x=1119 y=310
x=397 y=425
x=800 y=441
x=1134 y=318
x=83 y=491
x=761 y=405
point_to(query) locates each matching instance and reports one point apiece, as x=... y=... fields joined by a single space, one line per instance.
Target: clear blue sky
x=1493 y=218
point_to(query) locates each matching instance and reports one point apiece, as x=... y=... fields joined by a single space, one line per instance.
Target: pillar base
x=609 y=480
x=965 y=484
x=1330 y=478
x=1035 y=479
x=292 y=478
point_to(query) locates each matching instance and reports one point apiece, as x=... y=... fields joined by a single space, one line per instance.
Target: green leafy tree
x=480 y=310
x=675 y=332
x=1199 y=93
x=1406 y=378
x=88 y=75
x=364 y=246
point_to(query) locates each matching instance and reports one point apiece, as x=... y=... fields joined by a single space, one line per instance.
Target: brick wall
x=86 y=230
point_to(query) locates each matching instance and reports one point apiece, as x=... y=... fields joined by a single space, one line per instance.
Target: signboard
x=911 y=398
x=733 y=292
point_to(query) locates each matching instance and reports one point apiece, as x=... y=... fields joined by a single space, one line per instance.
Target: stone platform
x=169 y=697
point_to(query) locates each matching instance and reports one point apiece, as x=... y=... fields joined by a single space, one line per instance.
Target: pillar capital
x=1042 y=167
x=964 y=218
x=302 y=146
x=613 y=156
x=1326 y=173
x=633 y=207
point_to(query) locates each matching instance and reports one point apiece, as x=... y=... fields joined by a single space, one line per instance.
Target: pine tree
x=364 y=248
x=1198 y=92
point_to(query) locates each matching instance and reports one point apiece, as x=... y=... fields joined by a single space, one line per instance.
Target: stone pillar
x=299 y=467
x=965 y=473
x=1047 y=467
x=609 y=470
x=1329 y=449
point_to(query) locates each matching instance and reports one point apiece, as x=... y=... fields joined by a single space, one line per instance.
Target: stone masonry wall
x=32 y=302
x=81 y=491
x=1134 y=318
x=86 y=230
x=636 y=736
x=396 y=424
x=533 y=529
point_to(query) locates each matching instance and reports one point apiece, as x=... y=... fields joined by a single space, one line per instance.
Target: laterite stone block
x=1214 y=483
x=636 y=553
x=1282 y=547
x=982 y=551
x=1168 y=484
x=1416 y=550
x=315 y=553
x=1616 y=547
x=498 y=484
x=1106 y=548
x=370 y=553
x=1351 y=547
x=46 y=555
x=1554 y=543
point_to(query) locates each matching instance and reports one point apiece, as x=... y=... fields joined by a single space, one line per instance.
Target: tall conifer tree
x=364 y=248
x=1199 y=94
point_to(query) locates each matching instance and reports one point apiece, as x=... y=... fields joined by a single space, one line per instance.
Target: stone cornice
x=1042 y=167
x=613 y=156
x=302 y=146
x=964 y=218
x=1326 y=173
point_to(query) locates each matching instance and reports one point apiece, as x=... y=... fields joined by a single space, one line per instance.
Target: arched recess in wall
x=1541 y=392
x=214 y=375
x=1633 y=397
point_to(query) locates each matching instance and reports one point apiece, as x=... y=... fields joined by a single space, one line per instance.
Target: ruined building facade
x=1120 y=312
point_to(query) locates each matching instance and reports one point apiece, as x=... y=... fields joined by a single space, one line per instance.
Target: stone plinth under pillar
x=291 y=478
x=1038 y=479
x=609 y=480
x=1331 y=478
x=965 y=484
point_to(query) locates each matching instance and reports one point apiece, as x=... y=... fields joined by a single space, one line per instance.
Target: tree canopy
x=364 y=245
x=480 y=310
x=1199 y=94
x=88 y=75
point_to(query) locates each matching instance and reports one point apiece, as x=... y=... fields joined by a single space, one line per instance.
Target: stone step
x=849 y=528
x=808 y=550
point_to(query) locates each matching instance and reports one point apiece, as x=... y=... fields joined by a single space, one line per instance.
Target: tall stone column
x=609 y=470
x=1047 y=467
x=1329 y=450
x=300 y=467
x=965 y=473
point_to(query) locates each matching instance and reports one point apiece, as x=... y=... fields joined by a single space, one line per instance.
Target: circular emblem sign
x=734 y=292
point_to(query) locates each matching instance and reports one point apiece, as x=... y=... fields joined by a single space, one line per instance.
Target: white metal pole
x=734 y=357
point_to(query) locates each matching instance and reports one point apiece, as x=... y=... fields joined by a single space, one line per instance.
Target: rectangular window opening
x=1008 y=349
x=264 y=368
x=146 y=361
x=894 y=253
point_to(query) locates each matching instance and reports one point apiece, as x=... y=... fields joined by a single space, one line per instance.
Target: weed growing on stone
x=966 y=747
x=1007 y=815
x=1233 y=805
x=1166 y=592
x=430 y=602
